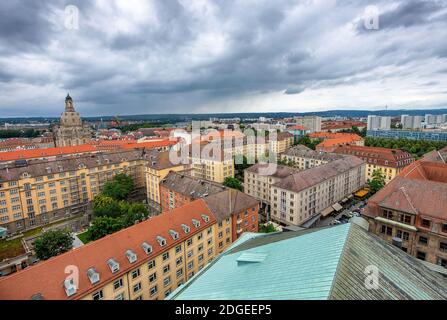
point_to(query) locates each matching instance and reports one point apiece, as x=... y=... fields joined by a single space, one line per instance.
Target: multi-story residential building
x=178 y=189
x=236 y=211
x=268 y=126
x=378 y=123
x=258 y=181
x=432 y=135
x=410 y=211
x=280 y=143
x=214 y=165
x=302 y=196
x=39 y=192
x=297 y=131
x=71 y=131
x=157 y=167
x=388 y=161
x=316 y=264
x=435 y=119
x=146 y=261
x=312 y=123
x=303 y=158
x=411 y=122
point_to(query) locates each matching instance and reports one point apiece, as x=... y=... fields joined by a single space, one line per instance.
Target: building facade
x=146 y=261
x=312 y=123
x=304 y=158
x=300 y=197
x=432 y=135
x=378 y=123
x=410 y=212
x=389 y=162
x=71 y=131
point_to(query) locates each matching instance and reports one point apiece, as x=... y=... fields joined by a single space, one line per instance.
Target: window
x=443 y=246
x=190 y=253
x=153 y=291
x=118 y=284
x=426 y=223
x=189 y=242
x=421 y=255
x=423 y=240
x=137 y=287
x=179 y=273
x=403 y=235
x=120 y=296
x=135 y=273
x=167 y=281
x=165 y=256
x=153 y=277
x=166 y=268
x=387 y=230
x=190 y=265
x=179 y=261
x=442 y=262
x=98 y=295
x=151 y=264
x=444 y=228
x=178 y=249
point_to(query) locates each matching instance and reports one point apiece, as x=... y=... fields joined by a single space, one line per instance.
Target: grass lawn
x=14 y=248
x=83 y=237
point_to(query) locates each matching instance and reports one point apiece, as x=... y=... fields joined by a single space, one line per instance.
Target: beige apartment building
x=146 y=261
x=258 y=183
x=213 y=165
x=282 y=142
x=300 y=197
x=38 y=192
x=390 y=162
x=305 y=158
x=157 y=168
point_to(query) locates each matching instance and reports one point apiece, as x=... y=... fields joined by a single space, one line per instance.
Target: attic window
x=205 y=218
x=185 y=228
x=131 y=256
x=70 y=287
x=93 y=275
x=48 y=169
x=146 y=247
x=113 y=265
x=251 y=257
x=174 y=234
x=25 y=175
x=81 y=166
x=161 y=241
x=196 y=223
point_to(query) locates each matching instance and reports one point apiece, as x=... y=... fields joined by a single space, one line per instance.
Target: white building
x=313 y=123
x=378 y=123
x=411 y=122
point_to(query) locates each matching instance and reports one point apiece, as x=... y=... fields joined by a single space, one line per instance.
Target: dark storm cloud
x=180 y=56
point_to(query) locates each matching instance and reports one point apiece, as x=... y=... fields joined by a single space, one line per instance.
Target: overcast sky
x=197 y=56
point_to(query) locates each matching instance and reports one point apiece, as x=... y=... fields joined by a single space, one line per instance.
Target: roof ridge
x=408 y=199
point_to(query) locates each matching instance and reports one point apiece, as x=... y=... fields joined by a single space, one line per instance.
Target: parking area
x=350 y=209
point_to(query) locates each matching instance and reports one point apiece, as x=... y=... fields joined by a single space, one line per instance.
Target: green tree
x=267 y=228
x=106 y=206
x=102 y=226
x=119 y=188
x=133 y=212
x=377 y=182
x=53 y=243
x=233 y=183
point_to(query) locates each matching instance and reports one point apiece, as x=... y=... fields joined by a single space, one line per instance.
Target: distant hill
x=207 y=116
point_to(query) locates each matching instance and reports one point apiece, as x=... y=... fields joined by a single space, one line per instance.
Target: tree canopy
x=377 y=182
x=233 y=183
x=53 y=243
x=119 y=188
x=416 y=147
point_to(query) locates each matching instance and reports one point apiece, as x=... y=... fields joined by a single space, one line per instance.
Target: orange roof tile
x=47 y=152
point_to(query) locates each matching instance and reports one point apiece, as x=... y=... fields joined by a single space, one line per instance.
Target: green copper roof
x=297 y=268
x=327 y=263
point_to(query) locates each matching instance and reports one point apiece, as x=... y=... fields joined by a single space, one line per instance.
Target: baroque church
x=71 y=131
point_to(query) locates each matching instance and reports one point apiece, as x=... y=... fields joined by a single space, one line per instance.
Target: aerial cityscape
x=195 y=151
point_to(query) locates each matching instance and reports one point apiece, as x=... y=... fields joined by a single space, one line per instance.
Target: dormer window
x=70 y=287
x=48 y=169
x=205 y=218
x=93 y=275
x=81 y=166
x=113 y=265
x=25 y=175
x=131 y=256
x=161 y=241
x=147 y=247
x=185 y=228
x=174 y=234
x=196 y=223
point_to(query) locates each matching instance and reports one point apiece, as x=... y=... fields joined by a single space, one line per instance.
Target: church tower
x=71 y=131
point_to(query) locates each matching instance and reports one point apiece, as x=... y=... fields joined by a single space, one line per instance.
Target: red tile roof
x=47 y=277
